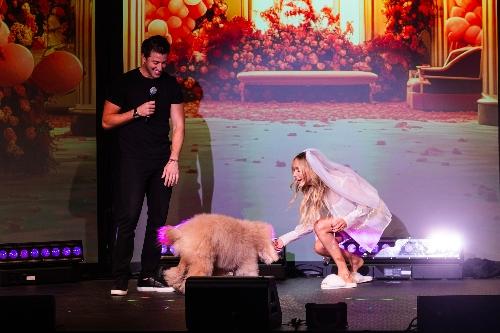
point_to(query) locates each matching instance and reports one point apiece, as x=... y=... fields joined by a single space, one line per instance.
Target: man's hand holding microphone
x=147 y=109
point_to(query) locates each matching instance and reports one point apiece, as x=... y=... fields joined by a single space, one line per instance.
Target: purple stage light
x=375 y=249
x=34 y=253
x=351 y=248
x=77 y=251
x=24 y=254
x=13 y=254
x=167 y=250
x=45 y=252
x=56 y=252
x=66 y=251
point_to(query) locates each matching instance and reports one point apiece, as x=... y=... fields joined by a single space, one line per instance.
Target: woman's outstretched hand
x=278 y=244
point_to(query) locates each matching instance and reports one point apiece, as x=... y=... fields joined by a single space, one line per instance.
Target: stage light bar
x=409 y=258
x=41 y=252
x=409 y=249
x=167 y=250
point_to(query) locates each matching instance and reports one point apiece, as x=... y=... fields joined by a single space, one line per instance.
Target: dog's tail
x=167 y=235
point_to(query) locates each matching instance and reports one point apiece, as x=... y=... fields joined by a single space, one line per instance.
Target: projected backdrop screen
x=432 y=163
x=47 y=148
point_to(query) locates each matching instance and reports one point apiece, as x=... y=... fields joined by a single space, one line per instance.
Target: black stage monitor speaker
x=232 y=303
x=326 y=317
x=461 y=313
x=27 y=312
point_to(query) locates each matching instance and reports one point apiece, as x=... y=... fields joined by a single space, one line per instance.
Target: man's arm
x=111 y=116
x=171 y=170
x=177 y=116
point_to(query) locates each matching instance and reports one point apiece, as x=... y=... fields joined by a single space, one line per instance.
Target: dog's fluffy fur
x=212 y=244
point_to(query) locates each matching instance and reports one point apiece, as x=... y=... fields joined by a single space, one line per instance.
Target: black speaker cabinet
x=326 y=317
x=232 y=303
x=28 y=312
x=461 y=313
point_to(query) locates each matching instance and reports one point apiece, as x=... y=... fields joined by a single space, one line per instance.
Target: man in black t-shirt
x=140 y=106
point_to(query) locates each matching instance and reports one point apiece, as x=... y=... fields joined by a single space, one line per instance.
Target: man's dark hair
x=155 y=43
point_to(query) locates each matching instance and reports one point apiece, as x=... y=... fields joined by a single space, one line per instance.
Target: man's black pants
x=136 y=178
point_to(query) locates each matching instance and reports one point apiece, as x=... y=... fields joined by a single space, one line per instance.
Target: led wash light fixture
x=409 y=249
x=40 y=253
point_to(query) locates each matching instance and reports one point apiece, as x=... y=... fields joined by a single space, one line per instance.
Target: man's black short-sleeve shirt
x=145 y=138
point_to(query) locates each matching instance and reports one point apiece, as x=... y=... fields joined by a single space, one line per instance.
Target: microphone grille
x=152 y=91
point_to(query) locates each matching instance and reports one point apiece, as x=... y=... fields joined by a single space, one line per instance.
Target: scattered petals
x=432 y=151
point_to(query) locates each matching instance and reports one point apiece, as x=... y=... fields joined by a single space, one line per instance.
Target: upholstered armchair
x=457 y=85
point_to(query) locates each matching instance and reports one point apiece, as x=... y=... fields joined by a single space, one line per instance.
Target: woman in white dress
x=337 y=203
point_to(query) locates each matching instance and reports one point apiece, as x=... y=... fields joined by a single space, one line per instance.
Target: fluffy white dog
x=212 y=244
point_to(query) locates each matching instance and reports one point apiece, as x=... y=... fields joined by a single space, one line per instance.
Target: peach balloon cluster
x=57 y=73
x=173 y=19
x=464 y=26
x=16 y=61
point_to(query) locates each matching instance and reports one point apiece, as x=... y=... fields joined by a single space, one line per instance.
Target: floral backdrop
x=209 y=50
x=35 y=65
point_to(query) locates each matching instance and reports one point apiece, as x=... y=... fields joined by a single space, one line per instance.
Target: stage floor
x=381 y=305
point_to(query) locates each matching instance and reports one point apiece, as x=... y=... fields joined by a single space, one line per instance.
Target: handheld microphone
x=152 y=97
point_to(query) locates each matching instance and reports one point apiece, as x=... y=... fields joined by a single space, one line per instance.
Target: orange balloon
x=479 y=38
x=457 y=12
x=471 y=33
x=479 y=12
x=156 y=3
x=169 y=38
x=4 y=33
x=208 y=3
x=192 y=2
x=16 y=64
x=190 y=23
x=58 y=73
x=163 y=13
x=197 y=10
x=183 y=12
x=455 y=28
x=175 y=5
x=473 y=19
x=468 y=5
x=149 y=10
x=158 y=27
x=174 y=23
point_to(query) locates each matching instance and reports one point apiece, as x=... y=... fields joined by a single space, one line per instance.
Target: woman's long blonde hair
x=313 y=190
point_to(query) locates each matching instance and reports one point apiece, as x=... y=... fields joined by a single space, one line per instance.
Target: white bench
x=306 y=78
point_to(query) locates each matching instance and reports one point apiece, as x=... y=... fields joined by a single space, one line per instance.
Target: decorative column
x=487 y=106
x=241 y=8
x=133 y=33
x=374 y=21
x=439 y=43
x=83 y=122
